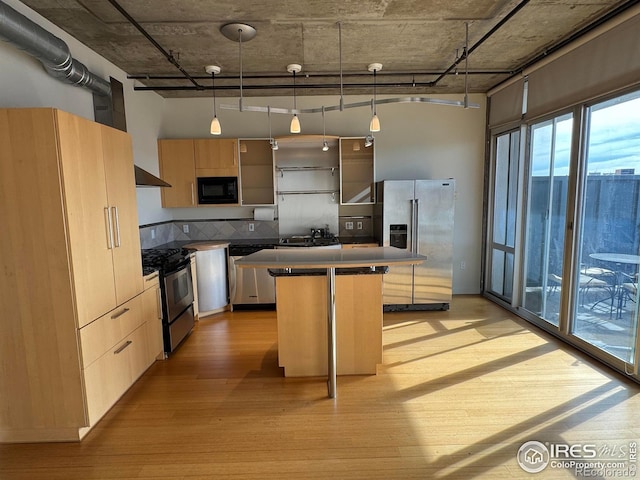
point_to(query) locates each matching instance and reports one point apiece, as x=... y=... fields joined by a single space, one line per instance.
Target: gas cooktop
x=163 y=259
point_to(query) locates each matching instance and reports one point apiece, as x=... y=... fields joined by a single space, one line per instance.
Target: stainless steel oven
x=179 y=289
x=178 y=303
x=176 y=289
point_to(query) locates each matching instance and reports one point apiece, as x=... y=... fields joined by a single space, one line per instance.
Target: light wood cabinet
x=101 y=213
x=256 y=172
x=302 y=324
x=216 y=157
x=115 y=352
x=152 y=312
x=356 y=172
x=178 y=168
x=70 y=259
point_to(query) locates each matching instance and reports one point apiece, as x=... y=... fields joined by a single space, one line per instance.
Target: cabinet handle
x=119 y=350
x=107 y=221
x=152 y=278
x=193 y=198
x=116 y=219
x=119 y=314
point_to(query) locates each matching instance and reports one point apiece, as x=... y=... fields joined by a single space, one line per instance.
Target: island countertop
x=327 y=258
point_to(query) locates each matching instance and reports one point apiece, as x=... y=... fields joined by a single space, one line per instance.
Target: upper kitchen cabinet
x=216 y=157
x=178 y=168
x=356 y=172
x=256 y=172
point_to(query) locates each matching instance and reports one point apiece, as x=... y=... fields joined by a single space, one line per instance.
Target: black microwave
x=217 y=190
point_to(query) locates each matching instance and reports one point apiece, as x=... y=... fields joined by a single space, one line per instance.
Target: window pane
x=610 y=238
x=501 y=191
x=497 y=271
x=546 y=215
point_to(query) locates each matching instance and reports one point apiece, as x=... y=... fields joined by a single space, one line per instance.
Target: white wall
x=416 y=141
x=25 y=83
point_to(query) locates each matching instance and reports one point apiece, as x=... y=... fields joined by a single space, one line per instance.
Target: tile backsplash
x=198 y=230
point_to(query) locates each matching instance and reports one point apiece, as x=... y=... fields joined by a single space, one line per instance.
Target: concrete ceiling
x=415 y=40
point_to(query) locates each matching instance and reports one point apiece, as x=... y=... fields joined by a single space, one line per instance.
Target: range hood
x=145 y=179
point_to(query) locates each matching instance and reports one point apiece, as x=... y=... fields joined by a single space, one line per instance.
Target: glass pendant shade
x=295 y=124
x=215 y=126
x=374 y=126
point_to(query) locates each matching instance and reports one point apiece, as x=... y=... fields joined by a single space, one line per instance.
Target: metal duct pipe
x=52 y=51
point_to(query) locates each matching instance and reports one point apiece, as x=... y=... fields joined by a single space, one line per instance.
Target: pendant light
x=325 y=145
x=374 y=125
x=295 y=121
x=215 y=123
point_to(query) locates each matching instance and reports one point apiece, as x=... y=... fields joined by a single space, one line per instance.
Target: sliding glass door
x=563 y=242
x=548 y=174
x=609 y=241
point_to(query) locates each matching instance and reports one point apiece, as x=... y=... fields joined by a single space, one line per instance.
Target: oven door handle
x=178 y=267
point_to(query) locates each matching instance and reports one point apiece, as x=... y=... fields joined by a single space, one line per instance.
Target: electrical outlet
x=463 y=265
x=348 y=225
x=251 y=227
x=185 y=228
x=153 y=234
x=359 y=225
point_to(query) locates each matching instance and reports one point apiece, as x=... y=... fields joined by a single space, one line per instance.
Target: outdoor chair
x=586 y=283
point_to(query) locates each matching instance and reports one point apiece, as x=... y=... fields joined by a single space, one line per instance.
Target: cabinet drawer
x=112 y=374
x=152 y=280
x=108 y=330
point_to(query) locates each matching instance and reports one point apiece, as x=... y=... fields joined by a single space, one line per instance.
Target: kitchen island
x=302 y=293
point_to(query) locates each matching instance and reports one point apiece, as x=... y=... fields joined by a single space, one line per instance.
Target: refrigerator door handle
x=416 y=233
x=414 y=225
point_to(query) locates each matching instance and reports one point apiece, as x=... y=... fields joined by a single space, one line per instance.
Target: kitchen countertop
x=327 y=258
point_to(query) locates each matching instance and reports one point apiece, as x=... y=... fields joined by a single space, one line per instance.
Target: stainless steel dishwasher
x=250 y=287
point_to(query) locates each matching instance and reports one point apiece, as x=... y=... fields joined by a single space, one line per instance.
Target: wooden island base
x=301 y=304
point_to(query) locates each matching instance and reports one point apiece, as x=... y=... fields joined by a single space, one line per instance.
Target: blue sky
x=614 y=141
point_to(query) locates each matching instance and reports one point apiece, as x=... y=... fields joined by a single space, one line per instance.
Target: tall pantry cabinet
x=72 y=321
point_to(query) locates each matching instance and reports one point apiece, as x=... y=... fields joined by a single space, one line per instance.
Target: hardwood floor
x=459 y=392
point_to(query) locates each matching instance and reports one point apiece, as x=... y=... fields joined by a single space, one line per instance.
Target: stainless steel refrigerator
x=417 y=215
